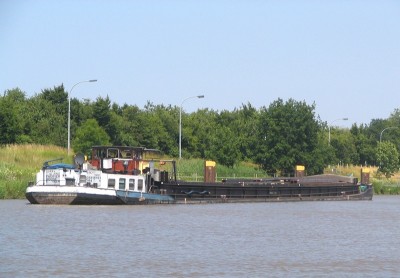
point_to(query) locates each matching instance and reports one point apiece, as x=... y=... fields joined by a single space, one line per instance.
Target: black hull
x=187 y=192
x=71 y=199
x=261 y=192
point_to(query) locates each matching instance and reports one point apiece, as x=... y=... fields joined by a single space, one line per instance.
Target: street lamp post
x=380 y=137
x=69 y=110
x=329 y=128
x=180 y=123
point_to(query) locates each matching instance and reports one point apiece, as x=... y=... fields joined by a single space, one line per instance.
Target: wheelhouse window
x=126 y=154
x=140 y=185
x=131 y=184
x=111 y=183
x=112 y=153
x=122 y=184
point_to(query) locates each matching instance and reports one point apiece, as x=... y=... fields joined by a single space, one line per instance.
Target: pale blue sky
x=342 y=55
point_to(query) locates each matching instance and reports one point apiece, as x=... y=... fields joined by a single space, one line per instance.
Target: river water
x=293 y=239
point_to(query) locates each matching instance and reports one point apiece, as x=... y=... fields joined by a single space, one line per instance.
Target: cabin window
x=140 y=185
x=69 y=181
x=131 y=184
x=111 y=183
x=82 y=179
x=112 y=153
x=122 y=184
x=126 y=154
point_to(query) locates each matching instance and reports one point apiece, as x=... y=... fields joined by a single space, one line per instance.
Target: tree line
x=276 y=137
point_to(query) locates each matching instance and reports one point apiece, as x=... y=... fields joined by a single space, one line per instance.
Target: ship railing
x=272 y=195
x=52 y=182
x=200 y=177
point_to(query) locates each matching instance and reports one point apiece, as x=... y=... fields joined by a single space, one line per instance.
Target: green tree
x=12 y=120
x=166 y=119
x=89 y=134
x=393 y=134
x=244 y=126
x=102 y=114
x=152 y=131
x=58 y=97
x=130 y=125
x=224 y=147
x=388 y=158
x=374 y=129
x=101 y=111
x=288 y=136
x=344 y=147
x=80 y=112
x=46 y=125
x=198 y=132
x=365 y=146
x=321 y=156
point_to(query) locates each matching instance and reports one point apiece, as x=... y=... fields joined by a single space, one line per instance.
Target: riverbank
x=386 y=187
x=20 y=163
x=382 y=185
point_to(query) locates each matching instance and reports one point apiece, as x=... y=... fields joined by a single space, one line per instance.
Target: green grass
x=386 y=186
x=381 y=184
x=19 y=165
x=191 y=169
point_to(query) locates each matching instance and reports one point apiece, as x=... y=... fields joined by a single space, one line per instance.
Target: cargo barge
x=116 y=175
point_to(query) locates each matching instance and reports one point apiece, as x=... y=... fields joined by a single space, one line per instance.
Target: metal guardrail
x=200 y=177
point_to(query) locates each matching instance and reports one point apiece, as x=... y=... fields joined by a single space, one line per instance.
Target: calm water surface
x=301 y=239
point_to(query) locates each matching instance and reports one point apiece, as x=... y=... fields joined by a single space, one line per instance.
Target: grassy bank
x=193 y=169
x=386 y=187
x=19 y=164
x=381 y=184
